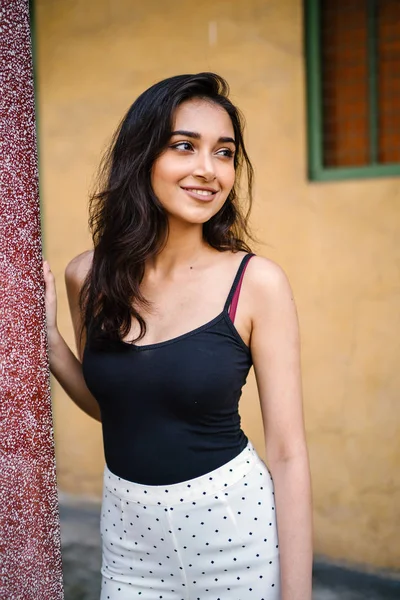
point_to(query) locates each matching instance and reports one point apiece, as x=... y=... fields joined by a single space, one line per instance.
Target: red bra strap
x=235 y=298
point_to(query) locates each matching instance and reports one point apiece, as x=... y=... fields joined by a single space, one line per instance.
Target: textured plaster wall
x=338 y=242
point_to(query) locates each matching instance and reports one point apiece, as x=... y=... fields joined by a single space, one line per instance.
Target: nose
x=204 y=168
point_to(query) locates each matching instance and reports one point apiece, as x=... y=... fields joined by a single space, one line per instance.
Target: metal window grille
x=353 y=80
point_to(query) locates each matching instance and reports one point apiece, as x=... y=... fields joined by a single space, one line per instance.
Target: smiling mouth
x=200 y=192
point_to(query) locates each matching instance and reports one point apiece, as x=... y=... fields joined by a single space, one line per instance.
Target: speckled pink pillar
x=30 y=557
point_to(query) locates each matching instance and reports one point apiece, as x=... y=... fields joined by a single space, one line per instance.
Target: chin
x=196 y=217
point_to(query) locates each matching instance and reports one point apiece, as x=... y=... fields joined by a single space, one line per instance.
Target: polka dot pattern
x=179 y=543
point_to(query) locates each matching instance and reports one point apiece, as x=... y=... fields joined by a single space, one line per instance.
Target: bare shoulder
x=75 y=274
x=267 y=280
x=272 y=307
x=77 y=269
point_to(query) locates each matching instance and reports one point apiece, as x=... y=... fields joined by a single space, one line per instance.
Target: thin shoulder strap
x=233 y=297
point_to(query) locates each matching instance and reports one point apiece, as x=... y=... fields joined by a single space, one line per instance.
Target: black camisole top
x=170 y=410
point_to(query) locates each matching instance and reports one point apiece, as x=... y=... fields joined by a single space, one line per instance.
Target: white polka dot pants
x=209 y=538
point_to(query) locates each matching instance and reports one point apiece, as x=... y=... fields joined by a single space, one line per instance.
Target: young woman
x=170 y=311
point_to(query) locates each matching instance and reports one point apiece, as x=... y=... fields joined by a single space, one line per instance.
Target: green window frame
x=317 y=171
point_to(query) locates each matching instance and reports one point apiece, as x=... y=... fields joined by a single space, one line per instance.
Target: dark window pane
x=389 y=80
x=344 y=83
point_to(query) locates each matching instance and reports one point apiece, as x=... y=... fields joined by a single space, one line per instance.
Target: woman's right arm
x=64 y=365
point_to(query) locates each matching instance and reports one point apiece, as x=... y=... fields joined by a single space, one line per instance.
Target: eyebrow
x=196 y=136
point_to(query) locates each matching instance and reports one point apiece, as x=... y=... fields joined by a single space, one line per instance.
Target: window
x=353 y=85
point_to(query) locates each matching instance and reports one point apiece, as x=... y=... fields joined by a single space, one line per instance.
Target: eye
x=185 y=146
x=226 y=152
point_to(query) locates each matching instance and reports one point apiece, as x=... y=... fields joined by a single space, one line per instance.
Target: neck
x=183 y=250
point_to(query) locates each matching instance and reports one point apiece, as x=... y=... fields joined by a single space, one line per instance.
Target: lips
x=200 y=193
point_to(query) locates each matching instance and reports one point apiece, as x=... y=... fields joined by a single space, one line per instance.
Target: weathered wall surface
x=338 y=242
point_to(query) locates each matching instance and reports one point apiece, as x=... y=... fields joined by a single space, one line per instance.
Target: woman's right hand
x=50 y=298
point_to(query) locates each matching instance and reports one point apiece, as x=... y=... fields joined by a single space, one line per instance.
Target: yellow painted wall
x=338 y=242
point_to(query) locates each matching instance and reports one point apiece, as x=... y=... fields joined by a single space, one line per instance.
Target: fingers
x=48 y=275
x=50 y=296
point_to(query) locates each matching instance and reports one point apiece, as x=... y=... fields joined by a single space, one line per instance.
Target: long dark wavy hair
x=126 y=219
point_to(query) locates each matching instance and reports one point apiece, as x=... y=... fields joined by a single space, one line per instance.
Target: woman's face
x=194 y=175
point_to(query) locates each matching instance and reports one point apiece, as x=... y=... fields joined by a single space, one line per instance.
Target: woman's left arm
x=275 y=349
